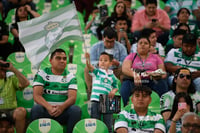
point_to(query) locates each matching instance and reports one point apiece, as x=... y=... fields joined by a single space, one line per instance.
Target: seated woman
x=22 y=13
x=141 y=69
x=182 y=104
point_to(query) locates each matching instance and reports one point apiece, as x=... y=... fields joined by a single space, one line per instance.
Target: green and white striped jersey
x=139 y=124
x=177 y=58
x=102 y=83
x=167 y=99
x=55 y=86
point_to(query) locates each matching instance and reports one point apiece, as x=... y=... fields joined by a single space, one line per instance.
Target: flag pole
x=80 y=28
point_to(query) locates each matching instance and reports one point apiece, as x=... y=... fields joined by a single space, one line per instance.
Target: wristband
x=174 y=121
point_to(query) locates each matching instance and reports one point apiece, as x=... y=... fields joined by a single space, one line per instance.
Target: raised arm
x=88 y=64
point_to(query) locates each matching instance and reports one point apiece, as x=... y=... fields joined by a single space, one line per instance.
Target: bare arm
x=162 y=66
x=166 y=115
x=88 y=64
x=15 y=32
x=34 y=13
x=23 y=81
x=4 y=39
x=122 y=130
x=126 y=68
x=171 y=68
x=158 y=131
x=90 y=23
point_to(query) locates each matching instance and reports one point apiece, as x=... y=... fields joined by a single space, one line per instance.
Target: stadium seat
x=44 y=125
x=85 y=108
x=90 y=126
x=55 y=4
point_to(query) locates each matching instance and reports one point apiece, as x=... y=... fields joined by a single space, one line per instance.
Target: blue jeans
x=107 y=118
x=159 y=86
x=69 y=117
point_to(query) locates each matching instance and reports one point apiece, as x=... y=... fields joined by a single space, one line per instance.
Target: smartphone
x=103 y=11
x=154 y=20
x=182 y=105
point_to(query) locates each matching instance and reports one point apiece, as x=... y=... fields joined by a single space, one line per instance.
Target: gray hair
x=189 y=114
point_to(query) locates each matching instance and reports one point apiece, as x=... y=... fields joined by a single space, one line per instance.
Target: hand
x=58 y=110
x=28 y=8
x=179 y=114
x=115 y=62
x=51 y=110
x=137 y=79
x=111 y=94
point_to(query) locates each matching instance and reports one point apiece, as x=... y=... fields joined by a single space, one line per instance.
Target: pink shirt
x=150 y=64
x=140 y=19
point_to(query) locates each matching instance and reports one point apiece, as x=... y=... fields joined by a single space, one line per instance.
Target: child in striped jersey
x=103 y=82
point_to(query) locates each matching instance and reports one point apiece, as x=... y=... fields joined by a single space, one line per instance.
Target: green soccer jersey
x=103 y=83
x=8 y=88
x=137 y=124
x=55 y=86
x=167 y=99
x=177 y=58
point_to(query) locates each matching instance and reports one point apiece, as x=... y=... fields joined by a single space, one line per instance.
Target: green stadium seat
x=44 y=125
x=10 y=17
x=91 y=126
x=55 y=4
x=85 y=108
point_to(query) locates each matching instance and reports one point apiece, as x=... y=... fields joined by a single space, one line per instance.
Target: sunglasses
x=184 y=75
x=188 y=125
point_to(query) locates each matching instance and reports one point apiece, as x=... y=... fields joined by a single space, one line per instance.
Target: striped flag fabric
x=41 y=36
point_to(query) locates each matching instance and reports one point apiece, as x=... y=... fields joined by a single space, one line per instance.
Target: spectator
x=153 y=18
x=54 y=91
x=190 y=123
x=139 y=68
x=176 y=42
x=10 y=83
x=123 y=34
x=156 y=48
x=186 y=56
x=6 y=123
x=104 y=82
x=183 y=18
x=139 y=118
x=119 y=10
x=111 y=46
x=21 y=14
x=181 y=105
x=5 y=46
x=182 y=82
x=173 y=6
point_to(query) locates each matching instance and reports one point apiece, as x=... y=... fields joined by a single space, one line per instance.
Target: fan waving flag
x=40 y=36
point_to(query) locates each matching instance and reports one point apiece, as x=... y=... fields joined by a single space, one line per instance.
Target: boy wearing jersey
x=104 y=82
x=54 y=91
x=139 y=119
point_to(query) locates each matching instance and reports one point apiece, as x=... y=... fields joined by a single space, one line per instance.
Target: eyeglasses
x=188 y=125
x=185 y=75
x=109 y=41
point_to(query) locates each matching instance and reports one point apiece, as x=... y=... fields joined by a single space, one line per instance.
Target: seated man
x=153 y=18
x=110 y=46
x=182 y=82
x=190 y=123
x=176 y=40
x=9 y=84
x=186 y=56
x=54 y=91
x=139 y=118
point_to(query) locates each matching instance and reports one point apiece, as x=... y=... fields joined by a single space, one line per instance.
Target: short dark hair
x=147 y=32
x=140 y=37
x=191 y=88
x=109 y=55
x=183 y=24
x=122 y=18
x=151 y=2
x=178 y=32
x=190 y=39
x=188 y=100
x=59 y=50
x=179 y=11
x=6 y=117
x=110 y=33
x=142 y=88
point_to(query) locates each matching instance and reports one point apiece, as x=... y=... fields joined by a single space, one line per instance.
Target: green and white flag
x=40 y=36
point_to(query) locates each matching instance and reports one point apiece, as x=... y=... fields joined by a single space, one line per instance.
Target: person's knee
x=19 y=113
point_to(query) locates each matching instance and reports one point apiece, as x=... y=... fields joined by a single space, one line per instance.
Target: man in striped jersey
x=139 y=119
x=187 y=56
x=54 y=91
